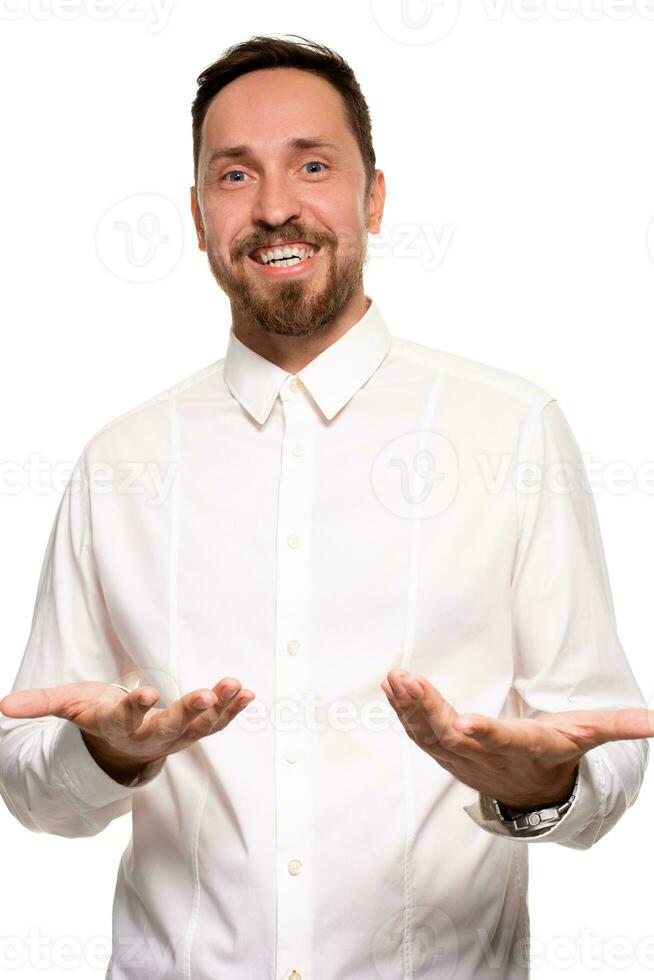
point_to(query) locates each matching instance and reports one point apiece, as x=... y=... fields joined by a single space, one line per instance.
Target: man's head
x=283 y=153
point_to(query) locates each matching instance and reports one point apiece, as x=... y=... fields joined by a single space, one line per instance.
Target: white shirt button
x=296 y=384
x=291 y=755
x=294 y=867
x=298 y=450
x=293 y=646
x=293 y=541
x=294 y=975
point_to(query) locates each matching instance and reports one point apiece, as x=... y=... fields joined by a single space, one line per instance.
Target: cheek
x=350 y=233
x=223 y=227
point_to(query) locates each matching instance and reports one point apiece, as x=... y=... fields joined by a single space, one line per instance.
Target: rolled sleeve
x=78 y=776
x=48 y=778
x=567 y=652
x=589 y=802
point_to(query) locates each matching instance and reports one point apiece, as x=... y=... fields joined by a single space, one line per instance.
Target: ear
x=197 y=220
x=376 y=203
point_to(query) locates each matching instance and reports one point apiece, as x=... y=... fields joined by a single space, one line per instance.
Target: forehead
x=268 y=106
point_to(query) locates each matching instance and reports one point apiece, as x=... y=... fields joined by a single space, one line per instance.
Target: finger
x=430 y=743
x=412 y=714
x=61 y=700
x=627 y=723
x=170 y=723
x=589 y=728
x=408 y=707
x=226 y=689
x=434 y=715
x=406 y=712
x=221 y=713
x=218 y=704
x=130 y=710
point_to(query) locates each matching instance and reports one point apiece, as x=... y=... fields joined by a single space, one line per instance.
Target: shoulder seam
x=403 y=349
x=171 y=392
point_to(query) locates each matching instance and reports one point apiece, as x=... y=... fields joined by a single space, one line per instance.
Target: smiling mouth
x=284 y=256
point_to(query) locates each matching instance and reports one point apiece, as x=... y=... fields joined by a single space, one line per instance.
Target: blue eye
x=233 y=172
x=311 y=163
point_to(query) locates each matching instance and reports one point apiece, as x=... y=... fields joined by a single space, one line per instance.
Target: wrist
x=123 y=769
x=551 y=798
x=536 y=817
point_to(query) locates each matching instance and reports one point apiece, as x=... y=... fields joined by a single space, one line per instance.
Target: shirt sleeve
x=48 y=778
x=567 y=653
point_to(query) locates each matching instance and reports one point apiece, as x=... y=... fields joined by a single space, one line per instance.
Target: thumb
x=36 y=702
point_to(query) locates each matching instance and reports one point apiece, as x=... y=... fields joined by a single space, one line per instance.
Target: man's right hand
x=123 y=732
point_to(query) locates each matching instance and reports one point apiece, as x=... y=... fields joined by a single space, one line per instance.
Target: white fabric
x=318 y=837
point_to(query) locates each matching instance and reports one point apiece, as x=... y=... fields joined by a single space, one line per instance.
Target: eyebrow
x=297 y=143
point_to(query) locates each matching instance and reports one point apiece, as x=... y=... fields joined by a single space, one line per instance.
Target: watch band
x=540 y=819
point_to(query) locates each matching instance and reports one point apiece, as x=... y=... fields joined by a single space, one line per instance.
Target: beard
x=293 y=307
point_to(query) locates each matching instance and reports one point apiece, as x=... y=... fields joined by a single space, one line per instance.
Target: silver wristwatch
x=541 y=819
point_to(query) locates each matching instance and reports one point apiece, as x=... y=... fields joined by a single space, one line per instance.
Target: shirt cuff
x=80 y=779
x=588 y=802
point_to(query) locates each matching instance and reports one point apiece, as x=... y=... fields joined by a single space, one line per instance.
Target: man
x=433 y=671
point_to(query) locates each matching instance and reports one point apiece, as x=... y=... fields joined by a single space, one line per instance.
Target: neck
x=293 y=353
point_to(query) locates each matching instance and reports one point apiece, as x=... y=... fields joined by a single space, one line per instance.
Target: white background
x=518 y=150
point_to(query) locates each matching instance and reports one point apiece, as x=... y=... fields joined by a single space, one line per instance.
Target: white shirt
x=313 y=532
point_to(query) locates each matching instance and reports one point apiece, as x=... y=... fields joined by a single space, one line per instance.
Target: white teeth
x=288 y=255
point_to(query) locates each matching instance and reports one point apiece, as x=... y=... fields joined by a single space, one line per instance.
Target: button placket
x=292 y=765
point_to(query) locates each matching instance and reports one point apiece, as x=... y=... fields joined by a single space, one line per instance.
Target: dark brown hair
x=270 y=52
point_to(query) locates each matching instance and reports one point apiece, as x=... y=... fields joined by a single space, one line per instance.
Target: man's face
x=272 y=191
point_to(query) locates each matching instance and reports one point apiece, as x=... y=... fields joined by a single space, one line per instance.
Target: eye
x=232 y=172
x=318 y=163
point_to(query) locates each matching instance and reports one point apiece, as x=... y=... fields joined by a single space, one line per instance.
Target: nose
x=276 y=202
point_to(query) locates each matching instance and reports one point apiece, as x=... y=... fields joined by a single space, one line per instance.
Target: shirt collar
x=332 y=377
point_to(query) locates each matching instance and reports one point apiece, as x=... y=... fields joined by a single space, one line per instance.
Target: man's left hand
x=522 y=762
